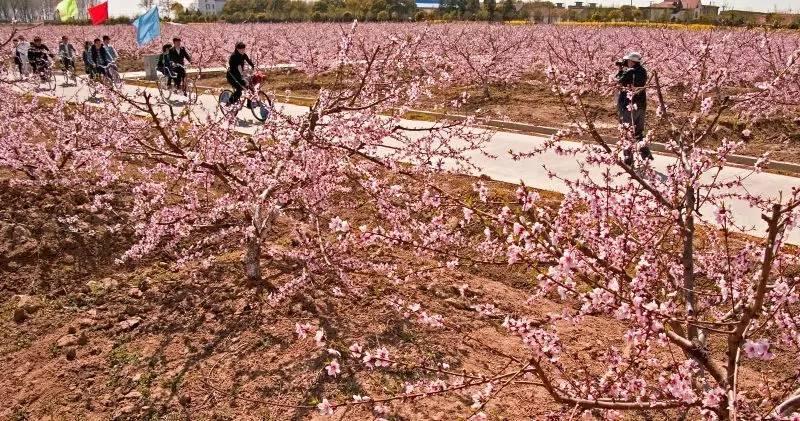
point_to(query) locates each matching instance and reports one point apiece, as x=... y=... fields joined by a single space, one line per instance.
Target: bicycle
x=14 y=68
x=110 y=76
x=166 y=88
x=260 y=104
x=69 y=70
x=45 y=74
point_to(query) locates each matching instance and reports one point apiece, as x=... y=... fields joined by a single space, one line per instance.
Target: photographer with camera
x=632 y=100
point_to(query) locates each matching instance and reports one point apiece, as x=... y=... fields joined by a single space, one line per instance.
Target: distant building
x=679 y=10
x=758 y=18
x=427 y=5
x=581 y=10
x=211 y=7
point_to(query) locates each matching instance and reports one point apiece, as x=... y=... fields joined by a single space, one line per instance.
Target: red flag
x=99 y=13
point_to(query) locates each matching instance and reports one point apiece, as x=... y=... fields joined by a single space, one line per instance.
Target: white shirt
x=23 y=48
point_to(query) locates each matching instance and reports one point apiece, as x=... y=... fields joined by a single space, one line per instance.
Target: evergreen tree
x=472 y=6
x=491 y=8
x=509 y=9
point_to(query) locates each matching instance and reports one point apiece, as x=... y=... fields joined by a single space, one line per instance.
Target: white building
x=207 y=6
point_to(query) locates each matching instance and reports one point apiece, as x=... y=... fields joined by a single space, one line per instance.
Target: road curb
x=741 y=160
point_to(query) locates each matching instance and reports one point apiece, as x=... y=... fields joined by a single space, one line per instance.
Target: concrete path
x=503 y=168
x=194 y=70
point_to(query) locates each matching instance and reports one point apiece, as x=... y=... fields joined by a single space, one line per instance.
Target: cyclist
x=166 y=66
x=15 y=54
x=100 y=57
x=112 y=53
x=67 y=53
x=21 y=54
x=234 y=75
x=88 y=61
x=39 y=55
x=178 y=56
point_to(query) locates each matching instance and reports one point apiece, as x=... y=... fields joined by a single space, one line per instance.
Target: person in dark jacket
x=88 y=61
x=632 y=100
x=39 y=55
x=17 y=56
x=110 y=50
x=100 y=56
x=234 y=75
x=165 y=65
x=178 y=55
x=67 y=53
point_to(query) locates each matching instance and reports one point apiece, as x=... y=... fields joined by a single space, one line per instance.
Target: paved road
x=219 y=69
x=531 y=171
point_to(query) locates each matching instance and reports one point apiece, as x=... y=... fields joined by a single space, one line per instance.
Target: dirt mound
x=84 y=337
x=53 y=240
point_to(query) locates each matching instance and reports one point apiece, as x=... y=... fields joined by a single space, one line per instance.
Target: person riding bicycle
x=178 y=57
x=166 y=66
x=88 y=61
x=234 y=75
x=21 y=48
x=15 y=55
x=112 y=53
x=39 y=55
x=67 y=53
x=100 y=57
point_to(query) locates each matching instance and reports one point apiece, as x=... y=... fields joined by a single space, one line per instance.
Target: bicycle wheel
x=164 y=88
x=224 y=99
x=191 y=91
x=261 y=106
x=116 y=79
x=49 y=80
x=15 y=71
x=72 y=76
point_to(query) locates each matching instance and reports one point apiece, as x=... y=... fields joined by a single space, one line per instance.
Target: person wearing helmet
x=234 y=75
x=632 y=100
x=38 y=55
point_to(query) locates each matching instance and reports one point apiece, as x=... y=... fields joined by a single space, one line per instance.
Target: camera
x=621 y=62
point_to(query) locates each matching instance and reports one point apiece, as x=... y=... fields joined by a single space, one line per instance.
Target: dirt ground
x=85 y=338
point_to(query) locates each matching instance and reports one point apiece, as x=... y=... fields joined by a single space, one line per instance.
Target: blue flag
x=148 y=26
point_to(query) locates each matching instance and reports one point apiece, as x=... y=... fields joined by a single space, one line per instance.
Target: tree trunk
x=688 y=265
x=252 y=260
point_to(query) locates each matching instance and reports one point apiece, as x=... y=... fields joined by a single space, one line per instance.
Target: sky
x=131 y=8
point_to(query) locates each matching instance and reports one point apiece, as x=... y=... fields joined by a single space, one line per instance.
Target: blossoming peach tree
x=346 y=190
x=704 y=298
x=204 y=186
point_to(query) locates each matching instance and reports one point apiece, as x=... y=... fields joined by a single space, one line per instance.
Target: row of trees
x=30 y=10
x=324 y=10
x=348 y=10
x=474 y=10
x=44 y=10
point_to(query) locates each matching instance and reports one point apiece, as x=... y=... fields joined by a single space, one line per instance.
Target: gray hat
x=633 y=57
